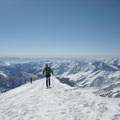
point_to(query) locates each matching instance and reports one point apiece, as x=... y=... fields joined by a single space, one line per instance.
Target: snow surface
x=3 y=74
x=5 y=63
x=61 y=102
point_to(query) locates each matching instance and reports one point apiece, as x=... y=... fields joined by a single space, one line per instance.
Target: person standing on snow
x=47 y=72
x=31 y=80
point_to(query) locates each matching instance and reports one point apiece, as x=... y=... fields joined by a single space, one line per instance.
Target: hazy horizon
x=48 y=57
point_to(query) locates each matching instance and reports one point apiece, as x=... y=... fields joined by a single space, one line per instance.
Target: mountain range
x=101 y=75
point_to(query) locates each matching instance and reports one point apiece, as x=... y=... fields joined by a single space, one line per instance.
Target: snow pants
x=47 y=82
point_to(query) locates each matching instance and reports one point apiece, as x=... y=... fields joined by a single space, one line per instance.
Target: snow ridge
x=61 y=102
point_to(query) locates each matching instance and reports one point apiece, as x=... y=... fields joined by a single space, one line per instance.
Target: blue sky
x=60 y=28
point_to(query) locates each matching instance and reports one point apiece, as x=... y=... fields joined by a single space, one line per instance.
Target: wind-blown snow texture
x=61 y=102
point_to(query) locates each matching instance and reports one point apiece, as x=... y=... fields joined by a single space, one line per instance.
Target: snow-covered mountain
x=103 y=76
x=60 y=102
x=100 y=75
x=11 y=77
x=74 y=100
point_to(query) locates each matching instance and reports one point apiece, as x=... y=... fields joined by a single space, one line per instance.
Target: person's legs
x=30 y=81
x=49 y=82
x=46 y=82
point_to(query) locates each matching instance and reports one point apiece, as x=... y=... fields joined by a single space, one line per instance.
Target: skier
x=47 y=72
x=31 y=80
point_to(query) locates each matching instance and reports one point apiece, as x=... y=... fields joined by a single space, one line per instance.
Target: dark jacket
x=47 y=71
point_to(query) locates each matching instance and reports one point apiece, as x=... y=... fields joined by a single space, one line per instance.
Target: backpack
x=48 y=71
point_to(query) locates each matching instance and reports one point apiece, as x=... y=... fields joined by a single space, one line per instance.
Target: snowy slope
x=11 y=77
x=102 y=75
x=61 y=102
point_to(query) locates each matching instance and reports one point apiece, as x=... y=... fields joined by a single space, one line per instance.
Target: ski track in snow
x=60 y=102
